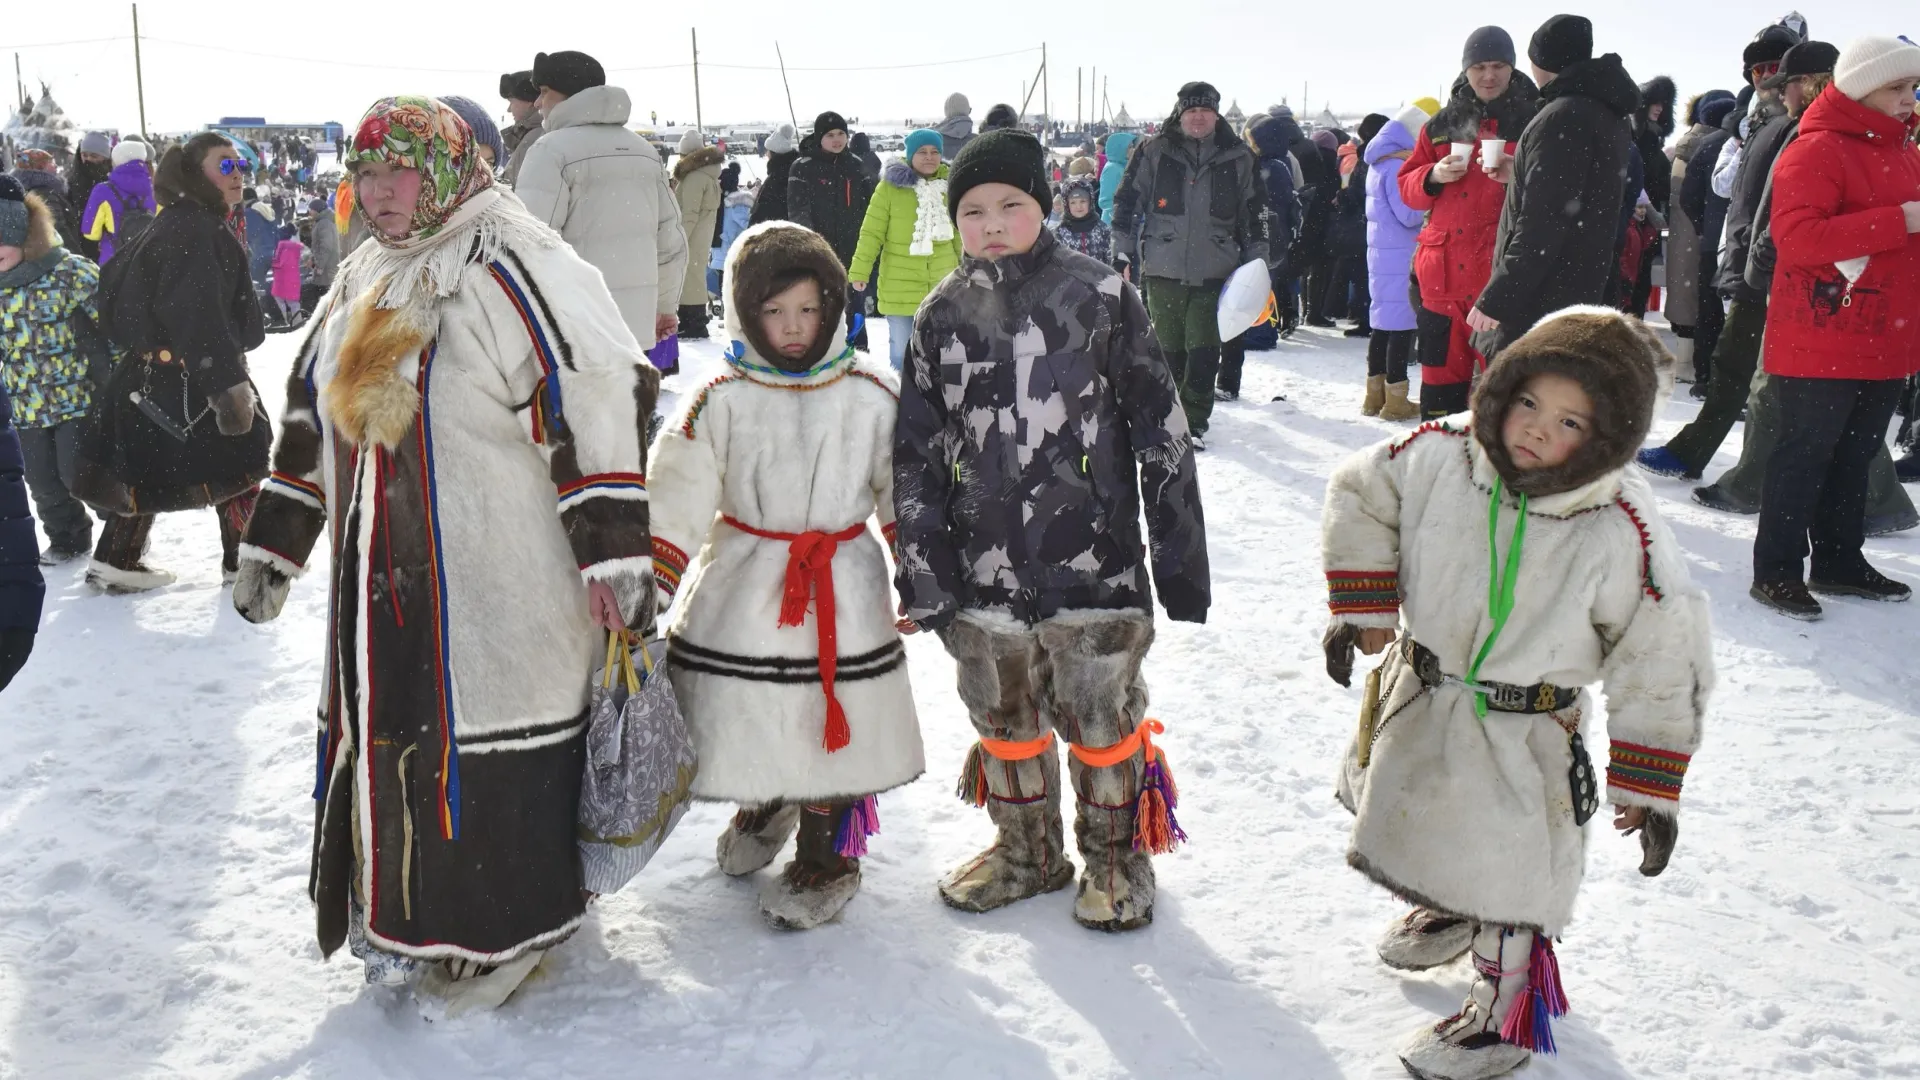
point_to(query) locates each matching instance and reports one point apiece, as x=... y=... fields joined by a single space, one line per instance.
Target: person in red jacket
x=1455 y=257
x=1841 y=331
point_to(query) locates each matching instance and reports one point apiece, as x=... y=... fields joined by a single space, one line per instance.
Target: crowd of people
x=481 y=305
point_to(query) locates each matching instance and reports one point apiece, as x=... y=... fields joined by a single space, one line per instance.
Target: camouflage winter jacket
x=1035 y=413
x=41 y=362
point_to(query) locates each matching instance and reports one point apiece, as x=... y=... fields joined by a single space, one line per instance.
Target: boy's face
x=10 y=257
x=997 y=220
x=791 y=320
x=1551 y=417
x=1078 y=206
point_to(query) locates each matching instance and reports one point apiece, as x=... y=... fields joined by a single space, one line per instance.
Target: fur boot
x=754 y=837
x=452 y=988
x=1469 y=1044
x=1376 y=395
x=819 y=881
x=1028 y=856
x=1397 y=407
x=1424 y=938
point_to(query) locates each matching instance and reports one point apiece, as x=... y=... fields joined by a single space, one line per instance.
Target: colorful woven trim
x=1646 y=549
x=669 y=563
x=700 y=403
x=890 y=532
x=304 y=491
x=614 y=485
x=1430 y=427
x=1363 y=592
x=1647 y=771
x=875 y=380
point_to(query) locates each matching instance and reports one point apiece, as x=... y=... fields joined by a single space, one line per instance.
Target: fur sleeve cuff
x=1644 y=776
x=272 y=558
x=1356 y=595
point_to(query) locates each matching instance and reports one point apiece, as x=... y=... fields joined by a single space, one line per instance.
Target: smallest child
x=288 y=257
x=1506 y=564
x=1081 y=229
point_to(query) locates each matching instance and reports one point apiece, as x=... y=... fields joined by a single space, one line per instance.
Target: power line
x=61 y=44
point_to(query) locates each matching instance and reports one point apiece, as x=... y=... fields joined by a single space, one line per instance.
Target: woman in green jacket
x=908 y=229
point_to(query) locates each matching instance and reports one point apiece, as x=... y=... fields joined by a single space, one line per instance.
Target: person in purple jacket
x=1391 y=229
x=122 y=204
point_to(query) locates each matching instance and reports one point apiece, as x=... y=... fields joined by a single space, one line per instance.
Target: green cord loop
x=1499 y=585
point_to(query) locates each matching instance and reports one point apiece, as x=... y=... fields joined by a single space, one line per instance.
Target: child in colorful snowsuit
x=1519 y=560
x=784 y=652
x=1081 y=229
x=1037 y=414
x=287 y=276
x=44 y=288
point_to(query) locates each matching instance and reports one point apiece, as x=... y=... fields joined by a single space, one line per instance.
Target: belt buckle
x=1427 y=667
x=1506 y=697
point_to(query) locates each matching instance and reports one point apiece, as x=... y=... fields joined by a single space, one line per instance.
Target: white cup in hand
x=1463 y=151
x=1491 y=151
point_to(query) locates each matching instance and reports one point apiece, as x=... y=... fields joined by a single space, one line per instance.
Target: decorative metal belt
x=1501 y=697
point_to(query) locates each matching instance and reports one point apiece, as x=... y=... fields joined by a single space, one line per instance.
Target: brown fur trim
x=1618 y=360
x=177 y=178
x=42 y=236
x=763 y=256
x=699 y=159
x=367 y=400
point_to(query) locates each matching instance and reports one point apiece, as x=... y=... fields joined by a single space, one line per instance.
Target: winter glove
x=233 y=409
x=260 y=591
x=1339 y=643
x=1658 y=833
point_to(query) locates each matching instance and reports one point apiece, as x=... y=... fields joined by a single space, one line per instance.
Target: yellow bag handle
x=617 y=653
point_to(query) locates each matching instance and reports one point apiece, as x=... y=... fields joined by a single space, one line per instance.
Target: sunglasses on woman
x=229 y=166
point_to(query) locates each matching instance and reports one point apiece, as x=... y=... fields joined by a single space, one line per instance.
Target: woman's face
x=485 y=152
x=926 y=160
x=230 y=184
x=389 y=193
x=1895 y=99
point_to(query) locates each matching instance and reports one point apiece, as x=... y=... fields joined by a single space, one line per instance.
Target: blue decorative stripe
x=542 y=349
x=450 y=763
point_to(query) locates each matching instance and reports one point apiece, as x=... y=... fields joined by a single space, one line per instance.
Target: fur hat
x=1000 y=116
x=1561 y=42
x=129 y=150
x=755 y=267
x=13 y=213
x=568 y=72
x=1618 y=361
x=1083 y=166
x=958 y=105
x=518 y=86
x=781 y=141
x=1001 y=156
x=1869 y=63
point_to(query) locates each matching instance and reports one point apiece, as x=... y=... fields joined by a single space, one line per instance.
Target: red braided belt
x=810 y=574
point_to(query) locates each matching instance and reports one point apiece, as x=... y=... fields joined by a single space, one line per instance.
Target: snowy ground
x=156 y=763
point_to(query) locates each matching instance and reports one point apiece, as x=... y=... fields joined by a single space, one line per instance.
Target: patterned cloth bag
x=640 y=767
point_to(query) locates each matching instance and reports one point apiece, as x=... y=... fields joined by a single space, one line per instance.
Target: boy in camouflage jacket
x=1036 y=412
x=44 y=370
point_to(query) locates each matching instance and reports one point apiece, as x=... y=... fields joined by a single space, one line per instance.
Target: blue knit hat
x=920 y=137
x=485 y=131
x=13 y=213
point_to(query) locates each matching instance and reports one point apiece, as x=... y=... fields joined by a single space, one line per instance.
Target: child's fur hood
x=758 y=257
x=42 y=235
x=1618 y=360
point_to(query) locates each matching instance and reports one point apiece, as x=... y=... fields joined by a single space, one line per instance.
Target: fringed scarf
x=931 y=225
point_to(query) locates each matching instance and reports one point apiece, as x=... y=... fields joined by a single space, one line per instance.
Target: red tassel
x=794 y=600
x=1154 y=829
x=838 y=734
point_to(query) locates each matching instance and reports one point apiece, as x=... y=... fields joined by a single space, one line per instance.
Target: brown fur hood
x=42 y=235
x=699 y=159
x=1618 y=360
x=759 y=257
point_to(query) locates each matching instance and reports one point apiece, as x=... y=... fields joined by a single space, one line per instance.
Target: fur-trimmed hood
x=901 y=175
x=174 y=179
x=700 y=159
x=42 y=234
x=1658 y=90
x=758 y=256
x=1459 y=119
x=1618 y=360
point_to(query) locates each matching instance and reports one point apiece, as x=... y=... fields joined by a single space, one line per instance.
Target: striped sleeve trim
x=300 y=490
x=890 y=532
x=1363 y=592
x=669 y=563
x=1647 y=771
x=609 y=485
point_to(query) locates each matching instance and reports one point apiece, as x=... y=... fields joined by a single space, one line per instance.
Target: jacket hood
x=1117 y=144
x=1271 y=137
x=1392 y=139
x=955 y=127
x=1836 y=112
x=901 y=175
x=737 y=197
x=780 y=166
x=1697 y=109
x=43 y=235
x=1459 y=119
x=594 y=105
x=1620 y=363
x=35 y=180
x=758 y=257
x=1658 y=90
x=706 y=157
x=133 y=178
x=1603 y=79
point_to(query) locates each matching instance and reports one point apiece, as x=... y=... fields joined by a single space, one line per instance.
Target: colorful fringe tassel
x=861 y=820
x=1154 y=829
x=1529 y=1023
x=973 y=778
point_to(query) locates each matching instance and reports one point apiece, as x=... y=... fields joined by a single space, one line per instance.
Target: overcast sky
x=316 y=61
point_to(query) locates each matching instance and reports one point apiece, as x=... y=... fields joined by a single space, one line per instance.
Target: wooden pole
x=1046 y=99
x=1078 y=122
x=788 y=85
x=699 y=120
x=139 y=80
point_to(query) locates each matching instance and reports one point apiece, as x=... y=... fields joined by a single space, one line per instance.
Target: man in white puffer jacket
x=605 y=189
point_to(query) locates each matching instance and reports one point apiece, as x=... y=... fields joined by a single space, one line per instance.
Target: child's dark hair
x=784 y=279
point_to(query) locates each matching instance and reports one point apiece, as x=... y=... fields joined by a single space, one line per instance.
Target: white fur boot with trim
x=825 y=872
x=1505 y=1019
x=754 y=837
x=453 y=988
x=1424 y=938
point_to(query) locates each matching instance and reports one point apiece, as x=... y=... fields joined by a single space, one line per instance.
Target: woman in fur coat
x=466 y=413
x=1469 y=778
x=783 y=650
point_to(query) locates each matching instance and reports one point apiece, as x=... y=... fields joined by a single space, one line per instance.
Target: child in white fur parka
x=783 y=650
x=1507 y=563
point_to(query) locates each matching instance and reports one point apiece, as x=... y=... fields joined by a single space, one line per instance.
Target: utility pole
x=19 y=83
x=699 y=120
x=139 y=80
x=787 y=85
x=1093 y=91
x=1078 y=123
x=1046 y=105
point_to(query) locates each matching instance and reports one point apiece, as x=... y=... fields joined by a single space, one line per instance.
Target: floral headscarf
x=425 y=134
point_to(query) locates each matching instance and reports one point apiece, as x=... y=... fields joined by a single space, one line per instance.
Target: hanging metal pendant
x=1586 y=790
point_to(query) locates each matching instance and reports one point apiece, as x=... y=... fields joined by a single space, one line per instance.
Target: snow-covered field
x=156 y=761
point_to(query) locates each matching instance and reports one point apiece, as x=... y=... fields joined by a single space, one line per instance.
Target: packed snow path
x=156 y=760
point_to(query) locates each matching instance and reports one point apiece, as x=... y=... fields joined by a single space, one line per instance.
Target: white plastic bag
x=1243 y=298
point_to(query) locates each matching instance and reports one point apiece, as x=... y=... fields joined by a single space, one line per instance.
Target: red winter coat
x=1837 y=190
x=1455 y=257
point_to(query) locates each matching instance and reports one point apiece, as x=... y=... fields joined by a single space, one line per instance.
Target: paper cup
x=1491 y=151
x=1463 y=150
